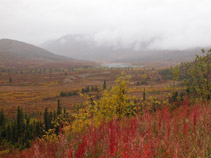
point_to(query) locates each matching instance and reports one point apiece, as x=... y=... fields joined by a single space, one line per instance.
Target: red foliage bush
x=185 y=132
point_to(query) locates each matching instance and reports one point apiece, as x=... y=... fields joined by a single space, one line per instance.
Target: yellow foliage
x=82 y=119
x=50 y=136
x=114 y=103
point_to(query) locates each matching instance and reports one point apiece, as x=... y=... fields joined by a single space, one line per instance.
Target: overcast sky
x=167 y=24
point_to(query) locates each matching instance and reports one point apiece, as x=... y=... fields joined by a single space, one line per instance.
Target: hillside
x=15 y=53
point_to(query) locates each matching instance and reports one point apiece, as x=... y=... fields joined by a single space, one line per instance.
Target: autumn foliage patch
x=182 y=133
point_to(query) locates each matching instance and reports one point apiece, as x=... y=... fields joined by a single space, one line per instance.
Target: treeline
x=199 y=76
x=76 y=92
x=94 y=88
x=166 y=74
x=196 y=75
x=20 y=132
x=90 y=89
x=83 y=90
x=66 y=94
x=44 y=69
x=53 y=120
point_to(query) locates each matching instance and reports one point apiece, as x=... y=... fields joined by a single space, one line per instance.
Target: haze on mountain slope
x=117 y=30
x=172 y=24
x=88 y=47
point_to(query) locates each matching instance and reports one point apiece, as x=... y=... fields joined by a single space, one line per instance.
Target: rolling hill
x=18 y=54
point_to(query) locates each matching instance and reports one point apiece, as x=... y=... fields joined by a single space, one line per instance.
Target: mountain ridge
x=87 y=47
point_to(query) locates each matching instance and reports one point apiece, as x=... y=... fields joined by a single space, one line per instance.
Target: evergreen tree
x=64 y=112
x=175 y=96
x=144 y=95
x=50 y=120
x=2 y=118
x=10 y=80
x=46 y=120
x=54 y=115
x=104 y=85
x=20 y=121
x=59 y=109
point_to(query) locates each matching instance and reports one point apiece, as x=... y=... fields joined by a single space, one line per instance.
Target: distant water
x=117 y=65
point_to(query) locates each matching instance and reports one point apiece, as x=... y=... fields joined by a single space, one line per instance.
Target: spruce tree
x=19 y=121
x=10 y=80
x=104 y=85
x=144 y=95
x=54 y=115
x=64 y=112
x=2 y=118
x=59 y=109
x=50 y=120
x=46 y=119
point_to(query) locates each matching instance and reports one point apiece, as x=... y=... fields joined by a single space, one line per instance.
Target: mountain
x=23 y=50
x=15 y=53
x=76 y=45
x=87 y=47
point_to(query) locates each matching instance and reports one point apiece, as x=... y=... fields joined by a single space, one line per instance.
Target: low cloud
x=153 y=24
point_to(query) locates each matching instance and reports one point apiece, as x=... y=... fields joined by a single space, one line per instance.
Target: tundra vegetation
x=116 y=118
